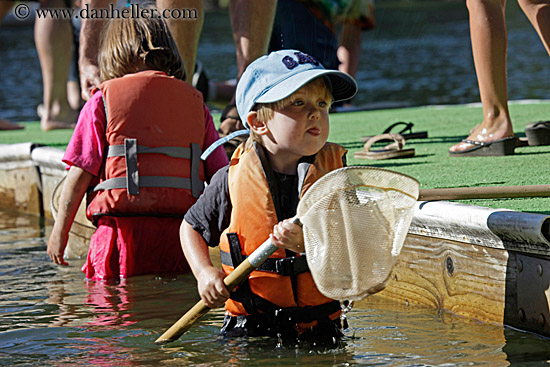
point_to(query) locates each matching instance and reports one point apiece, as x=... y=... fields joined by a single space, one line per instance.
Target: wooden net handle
x=490 y=192
x=231 y=281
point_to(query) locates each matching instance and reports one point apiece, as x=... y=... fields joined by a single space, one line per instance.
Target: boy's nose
x=314 y=111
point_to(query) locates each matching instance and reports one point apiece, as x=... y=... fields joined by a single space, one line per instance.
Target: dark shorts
x=295 y=27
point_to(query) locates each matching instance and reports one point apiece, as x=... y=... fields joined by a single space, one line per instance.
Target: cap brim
x=343 y=86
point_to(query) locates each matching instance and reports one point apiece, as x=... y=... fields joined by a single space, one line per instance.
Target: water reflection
x=50 y=315
x=522 y=349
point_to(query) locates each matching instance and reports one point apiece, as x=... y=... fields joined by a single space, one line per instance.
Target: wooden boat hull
x=484 y=264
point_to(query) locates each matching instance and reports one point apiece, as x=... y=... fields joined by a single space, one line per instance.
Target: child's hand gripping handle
x=231 y=281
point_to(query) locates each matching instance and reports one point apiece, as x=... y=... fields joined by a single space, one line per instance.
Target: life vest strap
x=289 y=315
x=253 y=303
x=146 y=181
x=132 y=174
x=196 y=184
x=295 y=315
x=175 y=152
x=243 y=290
x=286 y=266
x=133 y=181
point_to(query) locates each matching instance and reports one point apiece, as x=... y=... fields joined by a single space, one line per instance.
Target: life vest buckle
x=291 y=266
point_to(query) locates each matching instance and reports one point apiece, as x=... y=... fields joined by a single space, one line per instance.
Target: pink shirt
x=88 y=144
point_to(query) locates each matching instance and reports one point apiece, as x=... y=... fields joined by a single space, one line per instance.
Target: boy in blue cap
x=284 y=100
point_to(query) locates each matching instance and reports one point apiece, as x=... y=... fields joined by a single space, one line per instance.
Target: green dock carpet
x=432 y=165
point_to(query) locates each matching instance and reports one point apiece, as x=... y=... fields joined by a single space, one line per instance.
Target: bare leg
x=90 y=32
x=73 y=95
x=252 y=22
x=538 y=12
x=5 y=7
x=186 y=32
x=53 y=40
x=73 y=88
x=489 y=45
x=350 y=48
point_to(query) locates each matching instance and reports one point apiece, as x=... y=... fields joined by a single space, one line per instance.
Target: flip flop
x=538 y=133
x=8 y=125
x=393 y=150
x=406 y=131
x=500 y=147
x=229 y=113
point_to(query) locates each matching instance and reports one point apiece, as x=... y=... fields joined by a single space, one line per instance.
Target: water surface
x=49 y=315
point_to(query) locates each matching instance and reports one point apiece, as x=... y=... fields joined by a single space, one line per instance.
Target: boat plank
x=477 y=282
x=466 y=279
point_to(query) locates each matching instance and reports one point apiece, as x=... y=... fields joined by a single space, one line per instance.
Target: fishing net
x=355 y=222
x=81 y=230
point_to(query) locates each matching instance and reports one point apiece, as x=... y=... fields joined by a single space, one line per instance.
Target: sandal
x=538 y=133
x=232 y=144
x=499 y=147
x=390 y=151
x=406 y=131
x=229 y=113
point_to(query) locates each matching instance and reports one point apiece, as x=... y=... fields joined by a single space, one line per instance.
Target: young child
x=284 y=99
x=136 y=152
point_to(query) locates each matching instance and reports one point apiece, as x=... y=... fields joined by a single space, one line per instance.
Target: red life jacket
x=252 y=219
x=155 y=130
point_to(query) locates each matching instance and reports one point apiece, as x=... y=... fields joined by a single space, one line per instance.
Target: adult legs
x=53 y=40
x=90 y=32
x=538 y=12
x=5 y=7
x=489 y=46
x=251 y=21
x=349 y=50
x=186 y=32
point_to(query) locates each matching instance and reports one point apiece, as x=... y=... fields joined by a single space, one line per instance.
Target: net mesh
x=355 y=222
x=81 y=229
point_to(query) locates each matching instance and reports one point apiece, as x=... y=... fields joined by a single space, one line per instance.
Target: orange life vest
x=252 y=219
x=155 y=130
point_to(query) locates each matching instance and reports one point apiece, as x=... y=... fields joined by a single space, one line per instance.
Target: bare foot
x=485 y=132
x=8 y=125
x=73 y=95
x=65 y=120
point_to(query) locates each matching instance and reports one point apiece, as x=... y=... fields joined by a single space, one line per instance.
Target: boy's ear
x=257 y=126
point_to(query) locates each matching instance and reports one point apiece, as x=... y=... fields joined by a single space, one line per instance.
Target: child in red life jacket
x=284 y=98
x=136 y=152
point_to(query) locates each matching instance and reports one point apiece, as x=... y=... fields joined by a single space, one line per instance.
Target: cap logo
x=303 y=58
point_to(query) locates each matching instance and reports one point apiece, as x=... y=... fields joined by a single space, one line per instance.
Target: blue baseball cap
x=277 y=75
